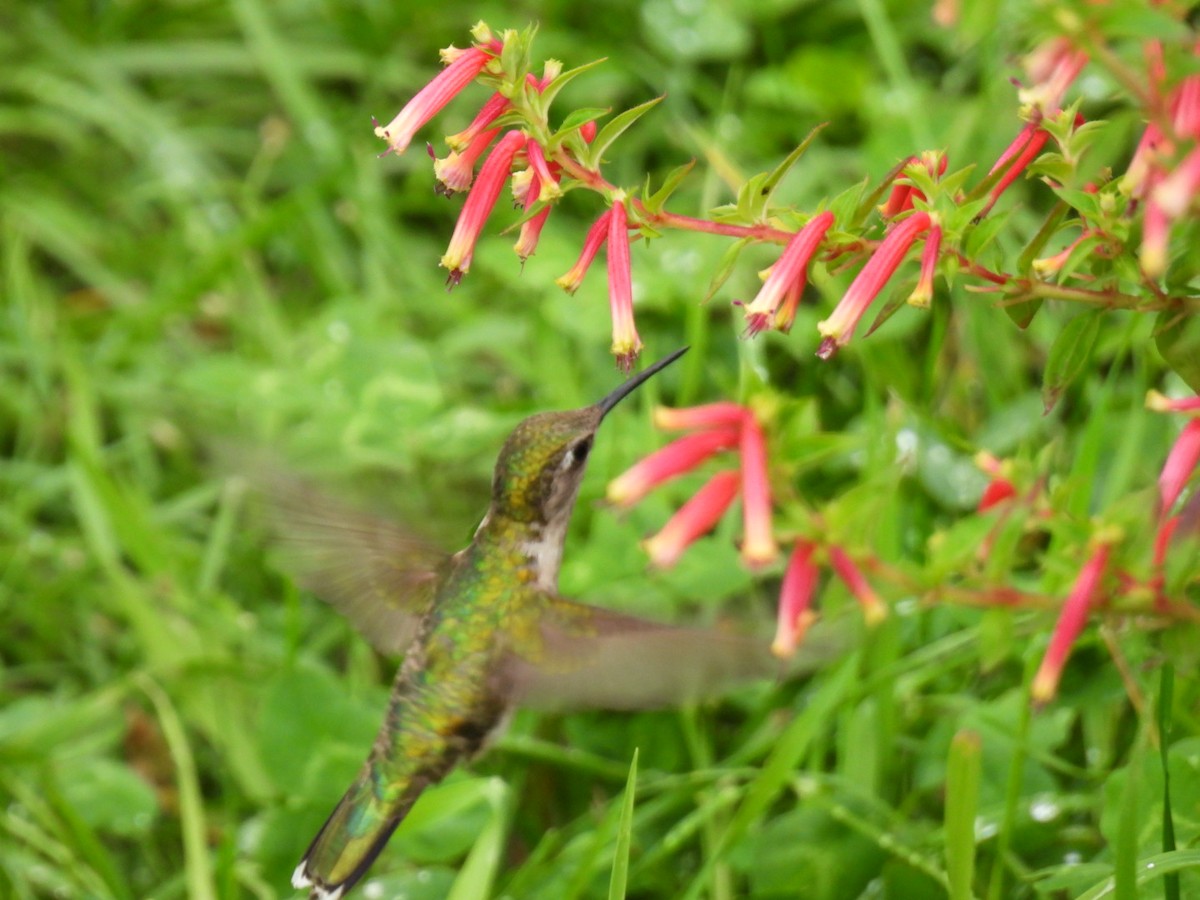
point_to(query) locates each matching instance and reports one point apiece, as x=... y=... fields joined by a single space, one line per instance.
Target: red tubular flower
x=430 y=100
x=1176 y=193
x=997 y=491
x=1161 y=403
x=677 y=457
x=695 y=518
x=496 y=106
x=456 y=171
x=758 y=539
x=1025 y=148
x=478 y=206
x=626 y=345
x=1070 y=623
x=1156 y=229
x=1052 y=67
x=595 y=239
x=724 y=415
x=787 y=274
x=839 y=327
x=795 y=599
x=873 y=608
x=1180 y=464
x=545 y=173
x=922 y=294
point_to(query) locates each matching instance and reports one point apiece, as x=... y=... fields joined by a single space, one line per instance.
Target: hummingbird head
x=542 y=463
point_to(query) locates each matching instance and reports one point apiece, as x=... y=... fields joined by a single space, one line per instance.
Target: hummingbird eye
x=577 y=455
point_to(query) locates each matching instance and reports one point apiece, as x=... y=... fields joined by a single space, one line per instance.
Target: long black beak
x=633 y=383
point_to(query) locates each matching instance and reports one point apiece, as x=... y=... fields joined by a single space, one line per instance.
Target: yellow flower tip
x=920 y=299
x=663 y=554
x=1157 y=401
x=1043 y=689
x=1154 y=261
x=875 y=612
x=619 y=494
x=567 y=283
x=787 y=641
x=759 y=555
x=381 y=132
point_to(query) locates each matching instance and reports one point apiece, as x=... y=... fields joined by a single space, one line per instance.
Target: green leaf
x=962 y=802
x=620 y=869
x=580 y=117
x=109 y=796
x=655 y=202
x=725 y=267
x=776 y=176
x=616 y=128
x=1178 y=340
x=550 y=91
x=1069 y=354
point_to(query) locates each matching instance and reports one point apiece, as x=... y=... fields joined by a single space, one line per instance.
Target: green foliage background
x=200 y=248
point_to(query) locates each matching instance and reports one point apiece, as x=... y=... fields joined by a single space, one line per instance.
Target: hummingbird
x=485 y=630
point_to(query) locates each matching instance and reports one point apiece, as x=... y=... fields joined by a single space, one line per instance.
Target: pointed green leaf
x=782 y=169
x=1069 y=355
x=550 y=91
x=963 y=771
x=616 y=128
x=655 y=202
x=579 y=117
x=725 y=267
x=1178 y=340
x=620 y=869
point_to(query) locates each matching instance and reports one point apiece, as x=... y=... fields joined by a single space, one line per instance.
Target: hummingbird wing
x=585 y=657
x=375 y=572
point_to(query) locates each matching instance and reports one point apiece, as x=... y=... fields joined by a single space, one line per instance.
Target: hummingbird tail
x=353 y=835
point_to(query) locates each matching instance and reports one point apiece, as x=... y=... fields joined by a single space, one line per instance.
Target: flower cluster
x=713 y=428
x=800 y=579
x=535 y=164
x=1164 y=172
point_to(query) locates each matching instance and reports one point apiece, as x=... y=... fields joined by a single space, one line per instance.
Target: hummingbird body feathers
x=489 y=632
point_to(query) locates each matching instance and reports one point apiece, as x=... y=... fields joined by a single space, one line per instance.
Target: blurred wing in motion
x=584 y=657
x=376 y=573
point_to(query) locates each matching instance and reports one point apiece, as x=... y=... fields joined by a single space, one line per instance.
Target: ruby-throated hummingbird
x=485 y=630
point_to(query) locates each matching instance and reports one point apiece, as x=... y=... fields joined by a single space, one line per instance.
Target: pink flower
x=595 y=239
x=839 y=327
x=758 y=540
x=874 y=610
x=922 y=294
x=1019 y=154
x=626 y=345
x=430 y=100
x=795 y=599
x=788 y=274
x=478 y=206
x=997 y=491
x=496 y=105
x=1161 y=403
x=547 y=178
x=1176 y=193
x=456 y=171
x=1180 y=464
x=1052 y=66
x=677 y=457
x=902 y=195
x=1070 y=623
x=723 y=415
x=692 y=520
x=1156 y=230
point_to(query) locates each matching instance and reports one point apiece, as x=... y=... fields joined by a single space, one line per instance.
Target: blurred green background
x=201 y=248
